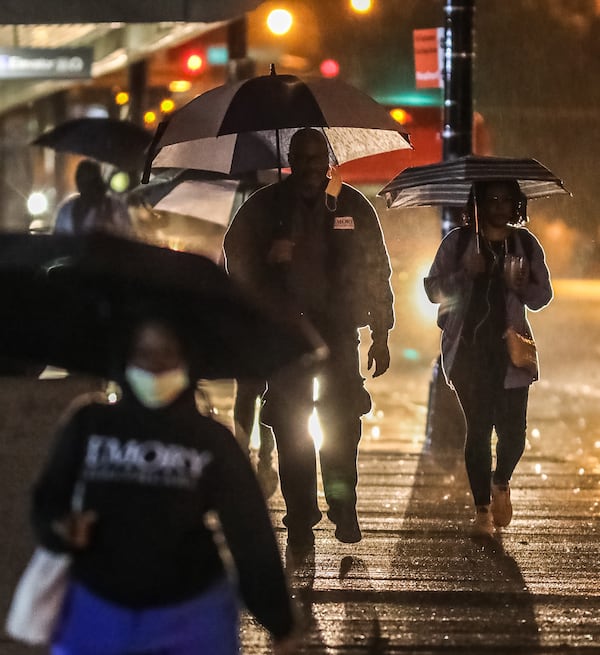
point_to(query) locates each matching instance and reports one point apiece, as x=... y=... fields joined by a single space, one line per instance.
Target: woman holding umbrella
x=146 y=572
x=484 y=276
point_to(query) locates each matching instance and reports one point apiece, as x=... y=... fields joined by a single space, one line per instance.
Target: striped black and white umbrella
x=448 y=183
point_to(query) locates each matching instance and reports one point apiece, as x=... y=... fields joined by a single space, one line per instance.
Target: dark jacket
x=152 y=476
x=340 y=272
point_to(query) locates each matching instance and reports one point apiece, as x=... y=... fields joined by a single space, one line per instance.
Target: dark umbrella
x=70 y=300
x=449 y=183
x=269 y=104
x=118 y=142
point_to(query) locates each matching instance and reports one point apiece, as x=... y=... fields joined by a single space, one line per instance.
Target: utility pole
x=457 y=133
x=445 y=423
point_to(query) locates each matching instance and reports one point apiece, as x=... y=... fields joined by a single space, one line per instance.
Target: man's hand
x=380 y=354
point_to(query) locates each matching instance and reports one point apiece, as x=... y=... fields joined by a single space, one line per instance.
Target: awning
x=29 y=12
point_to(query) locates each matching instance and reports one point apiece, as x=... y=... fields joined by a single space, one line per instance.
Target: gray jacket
x=449 y=285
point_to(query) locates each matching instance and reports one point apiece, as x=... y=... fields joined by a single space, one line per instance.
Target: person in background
x=310 y=247
x=92 y=208
x=484 y=277
x=147 y=574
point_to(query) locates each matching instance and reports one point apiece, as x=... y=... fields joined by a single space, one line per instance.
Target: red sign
x=429 y=63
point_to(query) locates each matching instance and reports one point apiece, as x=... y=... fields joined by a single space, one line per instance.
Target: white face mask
x=156 y=390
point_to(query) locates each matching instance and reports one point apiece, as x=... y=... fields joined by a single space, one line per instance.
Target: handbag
x=521 y=350
x=39 y=595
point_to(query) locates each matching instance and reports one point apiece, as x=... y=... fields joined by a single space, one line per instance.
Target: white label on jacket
x=143 y=462
x=343 y=223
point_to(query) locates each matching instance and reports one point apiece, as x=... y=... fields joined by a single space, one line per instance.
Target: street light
x=280 y=21
x=361 y=6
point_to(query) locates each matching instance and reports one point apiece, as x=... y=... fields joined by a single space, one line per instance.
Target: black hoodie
x=152 y=475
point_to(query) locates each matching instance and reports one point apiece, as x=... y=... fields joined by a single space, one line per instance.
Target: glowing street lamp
x=361 y=6
x=280 y=21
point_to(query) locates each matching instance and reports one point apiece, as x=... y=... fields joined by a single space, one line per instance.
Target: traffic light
x=194 y=62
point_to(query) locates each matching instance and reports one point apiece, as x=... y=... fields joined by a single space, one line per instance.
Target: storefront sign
x=45 y=63
x=429 y=58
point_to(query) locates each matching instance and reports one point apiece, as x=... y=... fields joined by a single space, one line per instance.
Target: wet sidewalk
x=418 y=583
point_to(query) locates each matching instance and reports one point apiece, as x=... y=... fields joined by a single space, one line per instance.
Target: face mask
x=156 y=390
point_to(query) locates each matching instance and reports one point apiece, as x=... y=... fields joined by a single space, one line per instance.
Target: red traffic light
x=194 y=62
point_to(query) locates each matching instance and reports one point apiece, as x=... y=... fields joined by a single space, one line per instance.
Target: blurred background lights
x=149 y=117
x=167 y=105
x=194 y=63
x=120 y=182
x=122 y=98
x=400 y=115
x=361 y=6
x=329 y=68
x=179 y=86
x=37 y=203
x=280 y=21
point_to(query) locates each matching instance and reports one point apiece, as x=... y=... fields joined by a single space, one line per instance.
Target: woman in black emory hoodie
x=147 y=574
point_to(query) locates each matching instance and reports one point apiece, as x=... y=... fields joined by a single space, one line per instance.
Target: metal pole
x=457 y=133
x=445 y=424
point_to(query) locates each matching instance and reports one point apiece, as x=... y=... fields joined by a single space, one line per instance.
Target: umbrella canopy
x=273 y=103
x=449 y=183
x=118 y=142
x=70 y=300
x=238 y=154
x=204 y=195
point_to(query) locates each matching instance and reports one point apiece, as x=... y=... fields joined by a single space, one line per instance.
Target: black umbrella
x=448 y=183
x=70 y=300
x=118 y=142
x=266 y=105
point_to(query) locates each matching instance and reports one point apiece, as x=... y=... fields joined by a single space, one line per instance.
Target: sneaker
x=347 y=529
x=501 y=505
x=482 y=525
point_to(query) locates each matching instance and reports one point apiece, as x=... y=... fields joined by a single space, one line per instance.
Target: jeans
x=205 y=625
x=478 y=377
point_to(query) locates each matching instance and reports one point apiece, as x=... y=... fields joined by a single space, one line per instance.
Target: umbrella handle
x=476 y=219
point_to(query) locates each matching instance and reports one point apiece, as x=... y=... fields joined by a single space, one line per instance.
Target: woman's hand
x=516 y=272
x=76 y=528
x=474 y=264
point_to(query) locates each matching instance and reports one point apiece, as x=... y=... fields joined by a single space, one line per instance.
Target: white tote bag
x=38 y=599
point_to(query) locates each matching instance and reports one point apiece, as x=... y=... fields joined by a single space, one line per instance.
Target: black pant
x=478 y=377
x=342 y=399
x=244 y=411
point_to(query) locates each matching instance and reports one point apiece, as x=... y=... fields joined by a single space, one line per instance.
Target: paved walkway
x=417 y=583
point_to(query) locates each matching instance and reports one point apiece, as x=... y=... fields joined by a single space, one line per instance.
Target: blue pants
x=207 y=624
